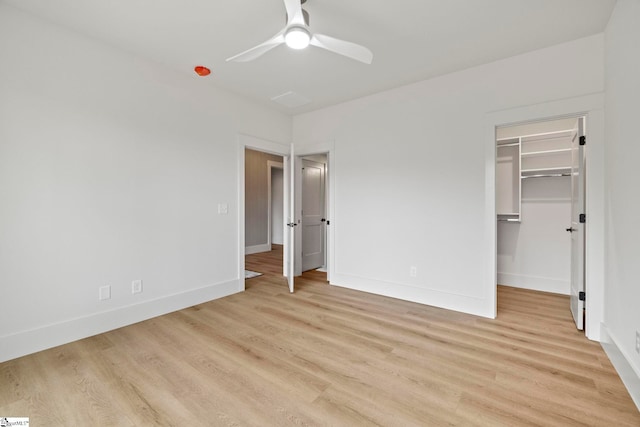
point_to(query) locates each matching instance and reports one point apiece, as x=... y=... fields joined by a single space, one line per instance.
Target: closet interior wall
x=533 y=202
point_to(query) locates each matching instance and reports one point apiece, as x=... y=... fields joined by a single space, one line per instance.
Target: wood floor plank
x=326 y=355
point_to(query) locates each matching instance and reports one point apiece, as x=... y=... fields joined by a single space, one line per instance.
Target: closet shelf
x=537 y=171
x=504 y=141
x=509 y=217
x=545 y=152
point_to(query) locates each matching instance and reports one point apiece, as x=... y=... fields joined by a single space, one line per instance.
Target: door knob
x=570 y=230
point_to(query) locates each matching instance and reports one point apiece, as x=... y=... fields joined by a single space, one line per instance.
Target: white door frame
x=591 y=106
x=258 y=144
x=328 y=149
x=576 y=227
x=271 y=165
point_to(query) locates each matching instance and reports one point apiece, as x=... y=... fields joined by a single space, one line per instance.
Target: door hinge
x=582 y=296
x=583 y=218
x=583 y=140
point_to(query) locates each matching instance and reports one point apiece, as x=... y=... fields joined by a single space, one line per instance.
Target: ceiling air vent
x=291 y=99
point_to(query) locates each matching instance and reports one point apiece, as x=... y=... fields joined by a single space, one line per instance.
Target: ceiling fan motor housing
x=305 y=14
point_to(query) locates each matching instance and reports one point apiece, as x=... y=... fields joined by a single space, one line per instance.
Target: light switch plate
x=136 y=286
x=223 y=208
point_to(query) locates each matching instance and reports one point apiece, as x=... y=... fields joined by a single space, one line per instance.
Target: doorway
x=539 y=191
x=258 y=195
x=314 y=208
x=249 y=149
x=291 y=203
x=590 y=106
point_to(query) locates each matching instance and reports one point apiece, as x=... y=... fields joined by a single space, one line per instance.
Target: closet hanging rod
x=551 y=134
x=534 y=135
x=546 y=175
x=510 y=144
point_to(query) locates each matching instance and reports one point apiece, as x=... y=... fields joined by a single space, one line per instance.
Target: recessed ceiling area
x=411 y=40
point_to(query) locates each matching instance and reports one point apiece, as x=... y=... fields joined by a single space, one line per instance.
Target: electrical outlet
x=104 y=292
x=136 y=286
x=637 y=342
x=413 y=271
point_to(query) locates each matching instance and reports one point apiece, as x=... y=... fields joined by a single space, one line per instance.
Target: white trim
x=489 y=286
x=34 y=340
x=265 y=146
x=447 y=300
x=241 y=205
x=628 y=372
x=256 y=249
x=591 y=106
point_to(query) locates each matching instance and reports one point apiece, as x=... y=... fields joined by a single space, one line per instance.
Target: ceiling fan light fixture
x=296 y=35
x=297 y=38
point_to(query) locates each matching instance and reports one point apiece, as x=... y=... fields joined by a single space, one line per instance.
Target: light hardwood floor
x=325 y=356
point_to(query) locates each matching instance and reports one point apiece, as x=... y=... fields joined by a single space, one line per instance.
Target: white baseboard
x=535 y=283
x=629 y=374
x=248 y=250
x=34 y=340
x=476 y=305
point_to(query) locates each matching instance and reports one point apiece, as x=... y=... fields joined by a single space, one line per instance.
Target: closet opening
x=540 y=207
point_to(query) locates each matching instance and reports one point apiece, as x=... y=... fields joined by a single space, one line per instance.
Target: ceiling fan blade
x=341 y=47
x=261 y=49
x=294 y=12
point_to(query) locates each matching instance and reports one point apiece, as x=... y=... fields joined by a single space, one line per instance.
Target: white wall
x=622 y=312
x=410 y=168
x=536 y=252
x=111 y=169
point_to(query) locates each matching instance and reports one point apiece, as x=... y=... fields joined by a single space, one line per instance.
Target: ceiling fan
x=296 y=35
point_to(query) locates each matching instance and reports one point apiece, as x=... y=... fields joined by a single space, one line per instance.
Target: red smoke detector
x=202 y=70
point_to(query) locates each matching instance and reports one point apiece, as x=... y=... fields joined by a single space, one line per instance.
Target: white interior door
x=312 y=214
x=291 y=223
x=577 y=224
x=277 y=204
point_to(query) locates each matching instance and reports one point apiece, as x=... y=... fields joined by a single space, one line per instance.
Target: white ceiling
x=411 y=40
